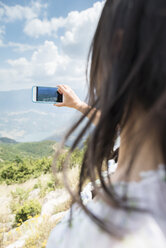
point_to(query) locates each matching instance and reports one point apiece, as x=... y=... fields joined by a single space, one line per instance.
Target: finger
x=62 y=89
x=67 y=87
x=60 y=86
x=59 y=105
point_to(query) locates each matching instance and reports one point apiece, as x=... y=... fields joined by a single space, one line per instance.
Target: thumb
x=59 y=104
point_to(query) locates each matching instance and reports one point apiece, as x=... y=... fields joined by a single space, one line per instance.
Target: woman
x=127 y=92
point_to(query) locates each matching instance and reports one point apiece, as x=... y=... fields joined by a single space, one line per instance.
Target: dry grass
x=37 y=234
x=62 y=207
x=73 y=176
x=5 y=190
x=4 y=226
x=40 y=236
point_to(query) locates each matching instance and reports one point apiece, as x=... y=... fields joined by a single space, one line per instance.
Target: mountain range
x=25 y=121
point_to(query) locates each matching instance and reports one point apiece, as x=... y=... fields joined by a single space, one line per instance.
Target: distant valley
x=10 y=151
x=24 y=121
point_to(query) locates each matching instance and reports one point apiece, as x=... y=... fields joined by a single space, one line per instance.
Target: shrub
x=19 y=196
x=60 y=161
x=45 y=165
x=29 y=209
x=18 y=160
x=51 y=185
x=75 y=159
x=36 y=186
x=16 y=173
x=8 y=172
x=45 y=187
x=19 y=170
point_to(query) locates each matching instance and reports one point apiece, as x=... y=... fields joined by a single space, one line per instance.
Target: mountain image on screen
x=45 y=94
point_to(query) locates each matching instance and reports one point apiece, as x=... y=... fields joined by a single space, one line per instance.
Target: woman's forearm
x=84 y=107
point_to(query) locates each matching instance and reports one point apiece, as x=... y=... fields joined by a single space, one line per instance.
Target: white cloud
x=47 y=64
x=45 y=61
x=50 y=64
x=10 y=77
x=1 y=42
x=79 y=28
x=18 y=12
x=2 y=32
x=37 y=27
x=19 y=47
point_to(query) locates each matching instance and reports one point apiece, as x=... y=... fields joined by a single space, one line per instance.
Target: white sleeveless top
x=148 y=229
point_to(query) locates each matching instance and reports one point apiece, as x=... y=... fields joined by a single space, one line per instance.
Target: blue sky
x=42 y=43
x=45 y=42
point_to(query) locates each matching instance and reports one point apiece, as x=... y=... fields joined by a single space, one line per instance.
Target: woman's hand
x=70 y=99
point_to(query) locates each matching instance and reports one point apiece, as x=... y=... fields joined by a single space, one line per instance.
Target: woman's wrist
x=81 y=106
x=78 y=105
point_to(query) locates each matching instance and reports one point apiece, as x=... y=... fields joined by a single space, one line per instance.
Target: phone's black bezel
x=59 y=97
x=36 y=93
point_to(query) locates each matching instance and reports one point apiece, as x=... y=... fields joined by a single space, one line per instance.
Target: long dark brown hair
x=127 y=69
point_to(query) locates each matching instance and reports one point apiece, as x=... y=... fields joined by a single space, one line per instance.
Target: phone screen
x=48 y=94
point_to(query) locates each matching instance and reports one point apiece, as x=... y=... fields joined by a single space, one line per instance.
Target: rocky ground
x=54 y=206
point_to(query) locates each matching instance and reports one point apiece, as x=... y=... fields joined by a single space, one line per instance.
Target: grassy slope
x=9 y=152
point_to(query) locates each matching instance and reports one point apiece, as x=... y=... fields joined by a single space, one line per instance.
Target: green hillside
x=8 y=152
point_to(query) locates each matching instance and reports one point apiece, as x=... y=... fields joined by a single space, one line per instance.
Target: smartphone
x=41 y=94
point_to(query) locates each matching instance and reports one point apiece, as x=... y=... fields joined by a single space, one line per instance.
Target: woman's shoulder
x=145 y=230
x=83 y=232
